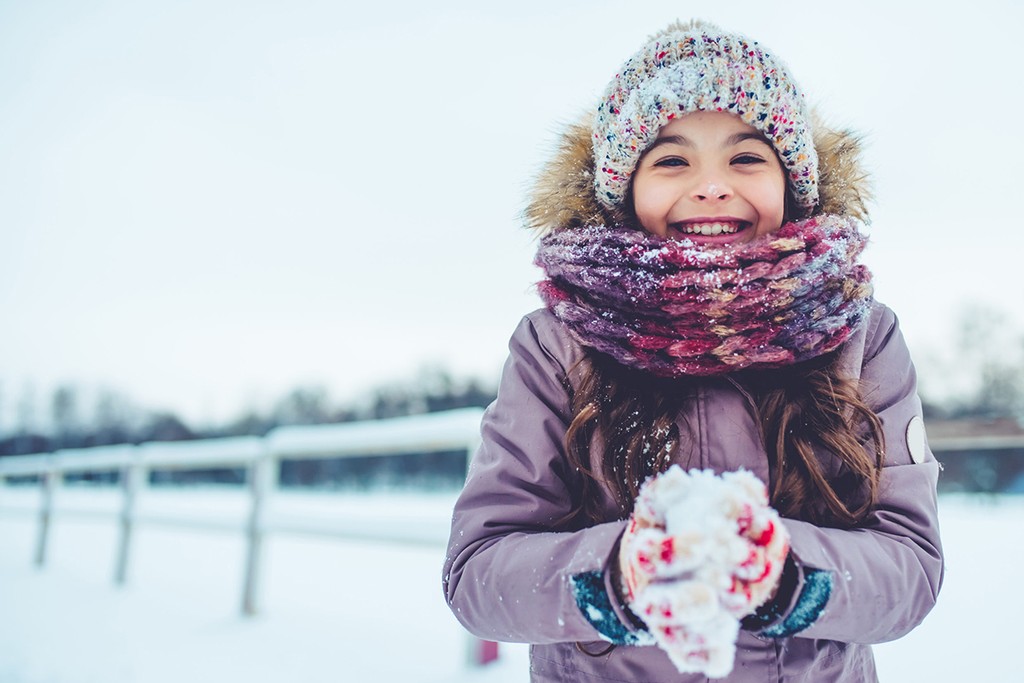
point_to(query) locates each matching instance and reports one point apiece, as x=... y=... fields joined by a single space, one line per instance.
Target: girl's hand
x=701 y=552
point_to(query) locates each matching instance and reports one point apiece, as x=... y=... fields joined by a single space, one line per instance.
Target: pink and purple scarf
x=673 y=308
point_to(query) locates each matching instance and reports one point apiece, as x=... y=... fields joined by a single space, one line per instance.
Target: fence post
x=133 y=478
x=49 y=479
x=481 y=652
x=263 y=475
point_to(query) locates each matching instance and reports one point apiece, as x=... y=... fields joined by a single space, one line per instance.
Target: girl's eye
x=745 y=159
x=671 y=162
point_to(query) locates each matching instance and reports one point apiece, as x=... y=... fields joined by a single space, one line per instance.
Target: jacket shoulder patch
x=916 y=439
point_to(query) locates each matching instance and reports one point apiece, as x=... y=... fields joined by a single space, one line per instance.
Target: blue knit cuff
x=774 y=610
x=809 y=605
x=593 y=601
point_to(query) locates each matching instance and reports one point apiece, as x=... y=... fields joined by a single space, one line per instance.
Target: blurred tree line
x=980 y=378
x=112 y=418
x=981 y=375
x=68 y=420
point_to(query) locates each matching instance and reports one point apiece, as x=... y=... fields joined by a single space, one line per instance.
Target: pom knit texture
x=674 y=309
x=699 y=67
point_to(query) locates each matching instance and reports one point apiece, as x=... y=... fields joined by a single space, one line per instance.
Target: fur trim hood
x=563 y=195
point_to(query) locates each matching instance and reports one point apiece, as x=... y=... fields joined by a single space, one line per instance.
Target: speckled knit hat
x=699 y=67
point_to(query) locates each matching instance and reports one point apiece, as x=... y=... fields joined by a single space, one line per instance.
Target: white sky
x=206 y=203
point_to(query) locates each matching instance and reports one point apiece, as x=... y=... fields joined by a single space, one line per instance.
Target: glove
x=700 y=552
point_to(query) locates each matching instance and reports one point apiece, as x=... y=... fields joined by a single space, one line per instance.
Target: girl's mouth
x=712 y=231
x=709 y=228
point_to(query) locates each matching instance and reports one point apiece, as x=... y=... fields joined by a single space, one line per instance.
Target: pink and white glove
x=701 y=552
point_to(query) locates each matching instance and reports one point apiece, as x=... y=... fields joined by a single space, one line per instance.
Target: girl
x=705 y=308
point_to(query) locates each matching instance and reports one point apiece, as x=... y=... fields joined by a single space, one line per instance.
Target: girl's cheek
x=651 y=202
x=771 y=206
x=652 y=222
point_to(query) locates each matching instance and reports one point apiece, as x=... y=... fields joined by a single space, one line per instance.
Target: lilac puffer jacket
x=509 y=576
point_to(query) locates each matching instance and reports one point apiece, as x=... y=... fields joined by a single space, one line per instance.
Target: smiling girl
x=710 y=178
x=706 y=457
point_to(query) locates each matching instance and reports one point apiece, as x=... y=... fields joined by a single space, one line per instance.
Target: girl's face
x=709 y=178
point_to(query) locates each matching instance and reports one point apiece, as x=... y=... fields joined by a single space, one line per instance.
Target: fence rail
x=978 y=442
x=261 y=458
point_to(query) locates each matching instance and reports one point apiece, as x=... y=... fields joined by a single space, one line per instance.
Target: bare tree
x=64 y=413
x=991 y=349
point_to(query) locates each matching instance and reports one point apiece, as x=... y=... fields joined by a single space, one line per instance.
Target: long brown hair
x=800 y=410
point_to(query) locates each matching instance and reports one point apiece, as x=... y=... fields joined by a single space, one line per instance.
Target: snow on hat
x=699 y=67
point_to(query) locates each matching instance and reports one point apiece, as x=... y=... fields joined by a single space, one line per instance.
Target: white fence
x=261 y=457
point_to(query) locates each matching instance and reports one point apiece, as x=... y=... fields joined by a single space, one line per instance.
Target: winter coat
x=512 y=575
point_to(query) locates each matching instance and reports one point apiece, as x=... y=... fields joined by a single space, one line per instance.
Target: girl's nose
x=711 y=191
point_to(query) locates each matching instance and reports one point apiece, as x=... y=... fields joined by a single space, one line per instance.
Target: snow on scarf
x=674 y=308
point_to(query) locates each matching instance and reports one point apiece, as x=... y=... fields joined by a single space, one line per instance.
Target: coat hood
x=563 y=195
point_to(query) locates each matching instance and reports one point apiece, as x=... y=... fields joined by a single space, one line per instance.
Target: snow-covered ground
x=353 y=611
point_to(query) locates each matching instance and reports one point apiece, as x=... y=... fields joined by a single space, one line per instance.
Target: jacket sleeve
x=507 y=575
x=877 y=581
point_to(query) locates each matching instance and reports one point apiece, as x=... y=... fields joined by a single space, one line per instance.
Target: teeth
x=710 y=228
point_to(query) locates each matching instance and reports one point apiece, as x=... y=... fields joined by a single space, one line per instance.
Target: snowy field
x=353 y=611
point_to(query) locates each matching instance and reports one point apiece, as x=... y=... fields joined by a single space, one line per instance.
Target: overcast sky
x=206 y=203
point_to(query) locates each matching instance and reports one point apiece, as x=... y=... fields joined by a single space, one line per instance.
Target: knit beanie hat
x=698 y=67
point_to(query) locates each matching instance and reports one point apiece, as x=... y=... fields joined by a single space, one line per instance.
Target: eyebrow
x=737 y=138
x=670 y=140
x=733 y=139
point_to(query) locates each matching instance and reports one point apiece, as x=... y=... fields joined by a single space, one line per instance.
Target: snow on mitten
x=754 y=580
x=646 y=550
x=700 y=552
x=704 y=640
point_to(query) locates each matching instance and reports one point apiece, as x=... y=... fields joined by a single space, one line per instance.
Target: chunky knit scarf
x=673 y=308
